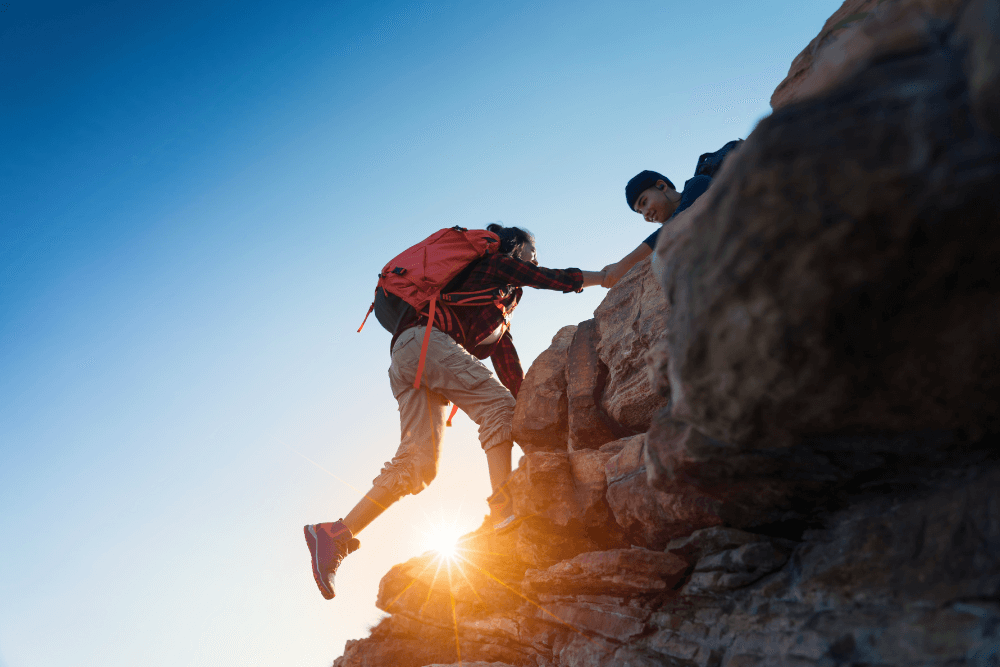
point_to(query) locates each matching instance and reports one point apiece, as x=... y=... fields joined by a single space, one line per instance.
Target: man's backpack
x=418 y=276
x=710 y=163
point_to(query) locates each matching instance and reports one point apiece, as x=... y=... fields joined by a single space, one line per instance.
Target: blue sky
x=195 y=203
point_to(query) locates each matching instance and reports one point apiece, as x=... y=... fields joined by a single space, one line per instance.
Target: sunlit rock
x=426 y=586
x=561 y=500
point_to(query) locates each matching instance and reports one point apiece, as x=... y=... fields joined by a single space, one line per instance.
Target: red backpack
x=417 y=276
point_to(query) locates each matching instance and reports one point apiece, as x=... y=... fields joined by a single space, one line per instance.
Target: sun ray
x=441 y=535
x=525 y=598
x=430 y=589
x=412 y=582
x=458 y=566
x=454 y=617
x=348 y=485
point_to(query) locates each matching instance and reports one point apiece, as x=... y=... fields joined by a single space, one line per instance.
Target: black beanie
x=640 y=182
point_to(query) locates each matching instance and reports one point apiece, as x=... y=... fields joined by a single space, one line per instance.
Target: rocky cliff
x=777 y=442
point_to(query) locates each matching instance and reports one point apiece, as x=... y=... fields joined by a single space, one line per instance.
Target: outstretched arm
x=527 y=274
x=615 y=272
x=591 y=278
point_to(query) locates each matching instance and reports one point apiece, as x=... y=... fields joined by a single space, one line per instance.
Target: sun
x=442 y=536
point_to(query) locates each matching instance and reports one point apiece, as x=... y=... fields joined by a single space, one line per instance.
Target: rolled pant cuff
x=500 y=437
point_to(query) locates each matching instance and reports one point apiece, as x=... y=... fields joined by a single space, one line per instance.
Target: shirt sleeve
x=524 y=274
x=693 y=188
x=507 y=364
x=651 y=239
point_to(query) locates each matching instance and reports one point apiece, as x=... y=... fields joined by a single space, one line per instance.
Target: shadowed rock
x=844 y=280
x=648 y=516
x=630 y=320
x=979 y=33
x=620 y=572
x=540 y=417
x=586 y=377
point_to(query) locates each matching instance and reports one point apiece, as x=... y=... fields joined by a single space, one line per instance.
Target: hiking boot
x=502 y=510
x=328 y=544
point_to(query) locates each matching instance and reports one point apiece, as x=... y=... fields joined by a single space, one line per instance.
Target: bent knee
x=407 y=477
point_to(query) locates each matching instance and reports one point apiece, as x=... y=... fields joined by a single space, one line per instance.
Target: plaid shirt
x=470 y=325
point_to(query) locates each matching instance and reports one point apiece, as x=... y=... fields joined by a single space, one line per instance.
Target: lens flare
x=442 y=536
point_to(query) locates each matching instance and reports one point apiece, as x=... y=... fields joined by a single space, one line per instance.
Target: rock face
x=586 y=376
x=651 y=518
x=845 y=280
x=788 y=454
x=542 y=422
x=630 y=320
x=828 y=55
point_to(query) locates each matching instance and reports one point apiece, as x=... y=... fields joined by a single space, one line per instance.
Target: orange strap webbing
x=454 y=410
x=427 y=340
x=370 y=309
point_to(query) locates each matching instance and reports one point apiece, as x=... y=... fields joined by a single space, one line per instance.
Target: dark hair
x=511 y=238
x=641 y=182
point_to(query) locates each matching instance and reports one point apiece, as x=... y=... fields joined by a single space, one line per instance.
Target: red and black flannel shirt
x=469 y=325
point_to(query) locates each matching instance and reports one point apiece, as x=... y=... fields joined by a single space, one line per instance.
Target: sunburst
x=442 y=537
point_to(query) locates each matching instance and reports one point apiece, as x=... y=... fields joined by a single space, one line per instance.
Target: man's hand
x=613 y=273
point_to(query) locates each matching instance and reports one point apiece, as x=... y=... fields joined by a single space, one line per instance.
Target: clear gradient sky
x=195 y=199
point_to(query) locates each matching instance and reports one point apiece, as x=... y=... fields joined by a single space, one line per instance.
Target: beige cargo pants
x=450 y=374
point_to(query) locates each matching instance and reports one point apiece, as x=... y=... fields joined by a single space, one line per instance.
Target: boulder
x=386 y=647
x=590 y=485
x=844 y=280
x=631 y=319
x=426 y=586
x=586 y=376
x=860 y=32
x=543 y=489
x=562 y=489
x=561 y=500
x=541 y=544
x=540 y=417
x=816 y=68
x=649 y=517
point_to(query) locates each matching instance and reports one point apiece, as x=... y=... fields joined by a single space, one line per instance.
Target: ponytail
x=511 y=238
